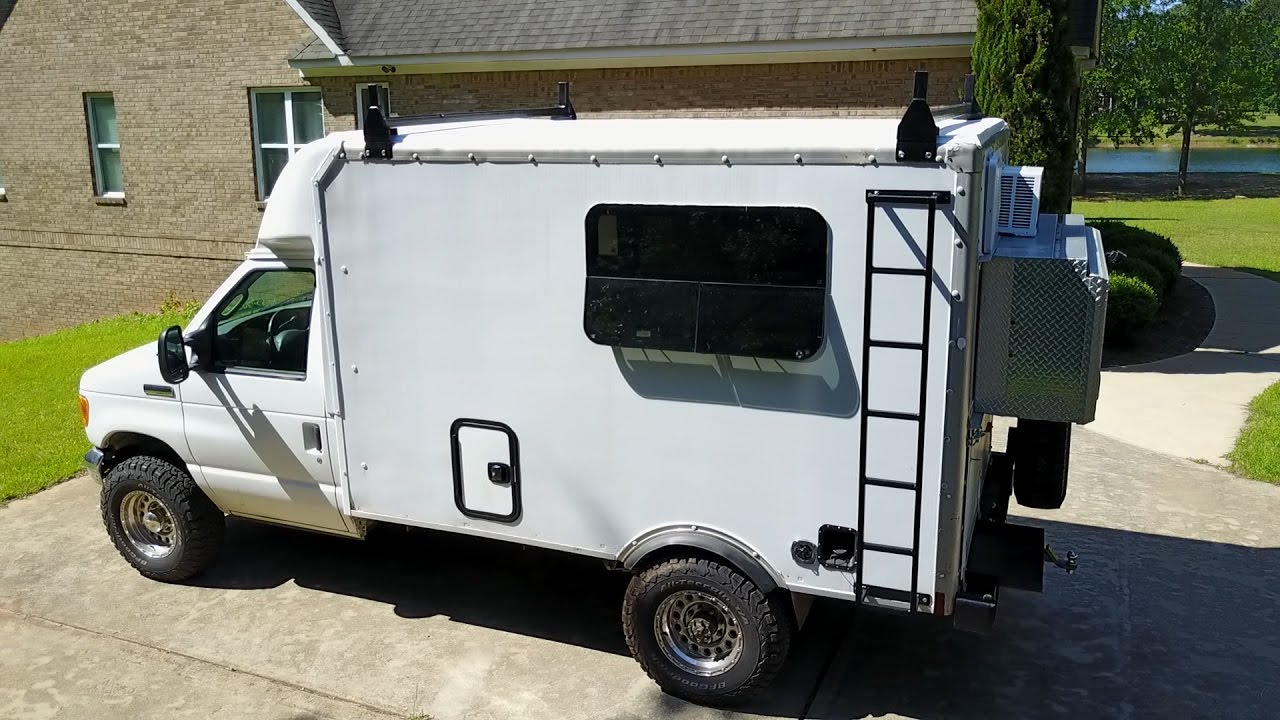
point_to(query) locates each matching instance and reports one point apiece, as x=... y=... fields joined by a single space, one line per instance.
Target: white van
x=740 y=359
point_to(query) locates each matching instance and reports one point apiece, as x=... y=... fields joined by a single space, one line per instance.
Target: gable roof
x=382 y=28
x=326 y=16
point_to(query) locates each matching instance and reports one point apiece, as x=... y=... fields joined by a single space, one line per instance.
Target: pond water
x=1203 y=160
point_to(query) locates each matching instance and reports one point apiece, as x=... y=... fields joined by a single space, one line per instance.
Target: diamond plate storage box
x=1040 y=323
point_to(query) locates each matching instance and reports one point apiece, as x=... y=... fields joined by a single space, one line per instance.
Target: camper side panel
x=458 y=307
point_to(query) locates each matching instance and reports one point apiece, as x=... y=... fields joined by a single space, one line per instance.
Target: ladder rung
x=897 y=484
x=893 y=415
x=890 y=549
x=896 y=345
x=918 y=272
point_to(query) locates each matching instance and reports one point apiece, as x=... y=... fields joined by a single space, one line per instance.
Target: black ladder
x=898 y=596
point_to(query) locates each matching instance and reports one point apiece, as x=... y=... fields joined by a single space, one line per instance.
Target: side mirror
x=172 y=356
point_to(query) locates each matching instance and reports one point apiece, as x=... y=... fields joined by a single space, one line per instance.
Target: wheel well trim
x=708 y=540
x=116 y=447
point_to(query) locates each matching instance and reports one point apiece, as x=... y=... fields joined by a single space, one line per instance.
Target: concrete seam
x=203 y=661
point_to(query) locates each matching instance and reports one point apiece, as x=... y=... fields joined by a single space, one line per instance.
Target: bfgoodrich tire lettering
x=761 y=623
x=190 y=526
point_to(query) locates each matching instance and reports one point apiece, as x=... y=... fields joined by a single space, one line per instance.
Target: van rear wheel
x=703 y=631
x=159 y=520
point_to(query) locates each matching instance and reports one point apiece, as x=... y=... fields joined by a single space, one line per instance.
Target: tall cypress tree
x=1026 y=75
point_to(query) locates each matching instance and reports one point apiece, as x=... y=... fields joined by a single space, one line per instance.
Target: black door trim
x=455 y=450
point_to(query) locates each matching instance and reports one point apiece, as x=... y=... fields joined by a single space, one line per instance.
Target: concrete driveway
x=1175 y=612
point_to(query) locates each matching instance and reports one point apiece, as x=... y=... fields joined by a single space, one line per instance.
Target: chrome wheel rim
x=698 y=633
x=147 y=524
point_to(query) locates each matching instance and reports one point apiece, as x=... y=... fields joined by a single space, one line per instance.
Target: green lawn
x=41 y=438
x=1239 y=233
x=1265 y=130
x=1257 y=451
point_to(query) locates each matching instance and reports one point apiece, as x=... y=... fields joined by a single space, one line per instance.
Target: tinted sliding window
x=723 y=280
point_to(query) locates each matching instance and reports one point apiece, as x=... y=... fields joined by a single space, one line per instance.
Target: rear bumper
x=93 y=463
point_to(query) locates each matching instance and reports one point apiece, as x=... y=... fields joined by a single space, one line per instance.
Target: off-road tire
x=765 y=623
x=198 y=522
x=1041 y=457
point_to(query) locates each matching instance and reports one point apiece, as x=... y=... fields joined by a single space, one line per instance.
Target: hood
x=125 y=374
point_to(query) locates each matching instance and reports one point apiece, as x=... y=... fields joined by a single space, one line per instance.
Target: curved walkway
x=1193 y=405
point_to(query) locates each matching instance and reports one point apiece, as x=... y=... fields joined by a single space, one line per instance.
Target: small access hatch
x=486 y=470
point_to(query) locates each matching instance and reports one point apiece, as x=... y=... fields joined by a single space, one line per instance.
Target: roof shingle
x=423 y=27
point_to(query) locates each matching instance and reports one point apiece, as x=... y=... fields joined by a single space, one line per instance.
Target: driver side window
x=264 y=324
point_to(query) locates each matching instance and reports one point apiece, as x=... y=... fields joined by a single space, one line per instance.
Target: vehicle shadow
x=1151 y=626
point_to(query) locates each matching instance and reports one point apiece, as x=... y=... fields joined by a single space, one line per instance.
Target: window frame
x=597 y=288
x=248 y=279
x=360 y=110
x=290 y=144
x=95 y=146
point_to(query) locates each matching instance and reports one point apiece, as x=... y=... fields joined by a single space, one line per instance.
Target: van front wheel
x=703 y=631
x=159 y=520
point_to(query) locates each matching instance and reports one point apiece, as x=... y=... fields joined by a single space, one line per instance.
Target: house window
x=723 y=280
x=1 y=183
x=368 y=94
x=283 y=121
x=104 y=144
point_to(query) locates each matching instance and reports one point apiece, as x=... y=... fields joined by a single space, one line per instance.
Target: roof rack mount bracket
x=917 y=132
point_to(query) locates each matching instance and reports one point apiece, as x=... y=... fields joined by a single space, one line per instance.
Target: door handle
x=499 y=473
x=311 y=437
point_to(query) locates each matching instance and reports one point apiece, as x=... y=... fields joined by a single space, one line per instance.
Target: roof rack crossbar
x=967 y=109
x=378 y=135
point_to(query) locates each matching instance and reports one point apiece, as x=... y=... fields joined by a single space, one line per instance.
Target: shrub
x=174 y=305
x=1137 y=243
x=1135 y=266
x=1131 y=303
x=1026 y=75
x=1169 y=268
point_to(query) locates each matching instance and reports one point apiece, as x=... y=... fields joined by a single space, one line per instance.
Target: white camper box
x=735 y=357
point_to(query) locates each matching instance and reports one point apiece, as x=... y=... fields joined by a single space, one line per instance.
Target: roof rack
x=966 y=109
x=917 y=131
x=378 y=135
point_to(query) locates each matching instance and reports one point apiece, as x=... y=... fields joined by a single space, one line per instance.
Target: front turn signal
x=84 y=410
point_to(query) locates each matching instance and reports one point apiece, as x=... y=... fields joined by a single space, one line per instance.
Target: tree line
x=1169 y=69
x=1165 y=69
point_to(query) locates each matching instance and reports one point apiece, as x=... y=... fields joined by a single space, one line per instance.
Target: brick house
x=139 y=141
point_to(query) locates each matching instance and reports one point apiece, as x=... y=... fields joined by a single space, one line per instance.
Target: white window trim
x=95 y=146
x=290 y=144
x=360 y=111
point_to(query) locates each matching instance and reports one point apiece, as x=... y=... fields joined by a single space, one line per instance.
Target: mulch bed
x=1184 y=321
x=1162 y=186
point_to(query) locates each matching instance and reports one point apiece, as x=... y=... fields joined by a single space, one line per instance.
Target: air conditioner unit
x=1019 y=210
